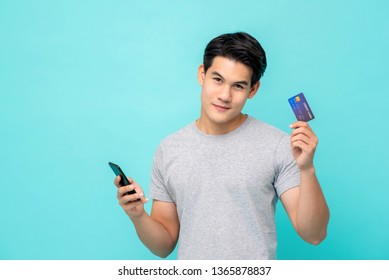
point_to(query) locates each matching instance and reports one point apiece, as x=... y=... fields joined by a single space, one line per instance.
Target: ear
x=254 y=89
x=201 y=74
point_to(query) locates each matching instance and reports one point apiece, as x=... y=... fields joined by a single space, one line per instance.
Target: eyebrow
x=220 y=76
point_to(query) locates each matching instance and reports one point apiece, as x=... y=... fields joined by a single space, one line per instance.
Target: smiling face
x=225 y=89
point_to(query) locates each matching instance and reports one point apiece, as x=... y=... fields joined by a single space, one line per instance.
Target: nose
x=225 y=94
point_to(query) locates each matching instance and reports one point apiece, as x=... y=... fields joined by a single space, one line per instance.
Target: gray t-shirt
x=225 y=188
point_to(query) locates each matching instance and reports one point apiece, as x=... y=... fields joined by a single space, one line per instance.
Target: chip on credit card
x=301 y=108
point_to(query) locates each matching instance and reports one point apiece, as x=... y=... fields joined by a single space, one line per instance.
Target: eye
x=218 y=80
x=238 y=86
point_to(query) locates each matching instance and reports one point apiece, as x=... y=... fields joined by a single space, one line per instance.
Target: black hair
x=240 y=47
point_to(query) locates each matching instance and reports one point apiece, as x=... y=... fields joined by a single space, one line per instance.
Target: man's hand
x=303 y=141
x=160 y=232
x=132 y=204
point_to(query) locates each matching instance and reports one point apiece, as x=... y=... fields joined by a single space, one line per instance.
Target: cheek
x=205 y=99
x=239 y=100
x=207 y=92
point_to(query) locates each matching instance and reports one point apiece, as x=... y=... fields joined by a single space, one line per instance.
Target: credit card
x=301 y=108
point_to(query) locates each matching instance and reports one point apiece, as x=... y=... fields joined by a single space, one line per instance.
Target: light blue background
x=87 y=82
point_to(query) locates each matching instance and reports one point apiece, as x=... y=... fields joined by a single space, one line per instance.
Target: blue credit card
x=301 y=108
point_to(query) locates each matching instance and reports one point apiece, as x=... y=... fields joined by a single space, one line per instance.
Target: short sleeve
x=158 y=188
x=287 y=172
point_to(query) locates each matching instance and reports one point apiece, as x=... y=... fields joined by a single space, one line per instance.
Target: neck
x=213 y=128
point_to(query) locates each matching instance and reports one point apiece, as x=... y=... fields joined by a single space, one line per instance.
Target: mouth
x=221 y=107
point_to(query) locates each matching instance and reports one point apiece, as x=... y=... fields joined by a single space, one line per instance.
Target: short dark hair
x=240 y=47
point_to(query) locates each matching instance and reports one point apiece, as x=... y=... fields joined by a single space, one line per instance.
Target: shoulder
x=265 y=131
x=179 y=135
x=178 y=139
x=175 y=144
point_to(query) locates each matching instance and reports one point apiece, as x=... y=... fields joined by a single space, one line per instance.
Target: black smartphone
x=118 y=171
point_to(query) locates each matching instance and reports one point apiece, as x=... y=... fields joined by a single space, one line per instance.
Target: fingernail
x=140 y=195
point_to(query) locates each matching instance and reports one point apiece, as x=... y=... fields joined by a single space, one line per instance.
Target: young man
x=215 y=183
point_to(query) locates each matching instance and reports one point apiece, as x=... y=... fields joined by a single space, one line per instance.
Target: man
x=215 y=183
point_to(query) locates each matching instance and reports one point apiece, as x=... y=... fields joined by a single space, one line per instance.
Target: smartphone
x=118 y=171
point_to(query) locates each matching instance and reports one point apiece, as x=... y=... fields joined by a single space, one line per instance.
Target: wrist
x=309 y=170
x=137 y=217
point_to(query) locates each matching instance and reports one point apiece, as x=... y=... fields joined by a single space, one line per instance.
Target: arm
x=158 y=231
x=306 y=205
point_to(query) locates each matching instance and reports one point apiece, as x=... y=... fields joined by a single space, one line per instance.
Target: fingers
x=301 y=138
x=118 y=179
x=299 y=124
x=127 y=190
x=130 y=197
x=129 y=206
x=125 y=196
x=303 y=132
x=303 y=146
x=131 y=203
x=303 y=143
x=123 y=190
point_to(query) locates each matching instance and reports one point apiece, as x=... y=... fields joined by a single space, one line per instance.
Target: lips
x=221 y=107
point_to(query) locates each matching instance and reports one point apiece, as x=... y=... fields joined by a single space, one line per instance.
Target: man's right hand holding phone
x=158 y=231
x=132 y=204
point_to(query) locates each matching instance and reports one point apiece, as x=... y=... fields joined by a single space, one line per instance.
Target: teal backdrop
x=87 y=82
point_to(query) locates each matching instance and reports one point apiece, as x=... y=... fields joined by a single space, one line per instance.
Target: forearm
x=312 y=212
x=154 y=235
